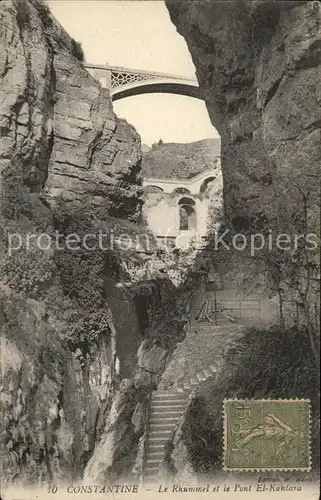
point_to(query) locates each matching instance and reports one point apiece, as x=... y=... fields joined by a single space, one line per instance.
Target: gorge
x=70 y=165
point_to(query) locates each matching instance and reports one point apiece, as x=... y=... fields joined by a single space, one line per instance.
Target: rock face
x=57 y=123
x=258 y=67
x=51 y=397
x=65 y=160
x=181 y=161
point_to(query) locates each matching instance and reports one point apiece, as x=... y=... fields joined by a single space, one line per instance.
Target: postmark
x=267 y=434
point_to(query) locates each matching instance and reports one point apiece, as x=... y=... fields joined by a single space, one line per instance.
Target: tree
x=298 y=267
x=77 y=50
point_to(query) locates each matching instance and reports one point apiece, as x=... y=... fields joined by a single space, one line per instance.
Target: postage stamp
x=267 y=434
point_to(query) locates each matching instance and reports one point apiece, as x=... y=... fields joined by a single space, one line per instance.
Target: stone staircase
x=165 y=411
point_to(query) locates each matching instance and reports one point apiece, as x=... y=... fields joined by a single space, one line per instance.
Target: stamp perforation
x=226 y=467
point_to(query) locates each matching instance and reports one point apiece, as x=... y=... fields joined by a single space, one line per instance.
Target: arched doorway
x=187 y=214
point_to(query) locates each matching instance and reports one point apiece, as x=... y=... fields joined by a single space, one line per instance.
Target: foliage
x=45 y=15
x=29 y=272
x=263 y=364
x=77 y=50
x=181 y=161
x=22 y=16
x=82 y=278
x=86 y=328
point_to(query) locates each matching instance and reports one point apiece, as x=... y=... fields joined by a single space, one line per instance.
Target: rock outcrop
x=181 y=161
x=57 y=124
x=258 y=67
x=68 y=164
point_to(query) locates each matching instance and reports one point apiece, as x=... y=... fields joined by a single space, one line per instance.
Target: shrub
x=263 y=364
x=45 y=15
x=22 y=16
x=77 y=50
x=29 y=272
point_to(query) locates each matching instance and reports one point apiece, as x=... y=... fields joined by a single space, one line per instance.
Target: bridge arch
x=165 y=87
x=153 y=188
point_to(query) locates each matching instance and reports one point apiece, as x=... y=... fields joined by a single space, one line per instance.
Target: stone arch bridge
x=124 y=82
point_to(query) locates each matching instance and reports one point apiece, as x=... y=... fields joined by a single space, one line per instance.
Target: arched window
x=153 y=189
x=181 y=190
x=206 y=183
x=187 y=214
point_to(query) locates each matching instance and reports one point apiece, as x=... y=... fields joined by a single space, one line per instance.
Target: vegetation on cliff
x=181 y=161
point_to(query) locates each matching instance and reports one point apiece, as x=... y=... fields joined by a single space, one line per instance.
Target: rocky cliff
x=68 y=165
x=181 y=161
x=58 y=129
x=258 y=67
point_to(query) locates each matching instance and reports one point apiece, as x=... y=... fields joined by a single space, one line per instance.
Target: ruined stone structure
x=177 y=209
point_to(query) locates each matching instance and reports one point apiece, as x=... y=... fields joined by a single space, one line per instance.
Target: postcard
x=160 y=249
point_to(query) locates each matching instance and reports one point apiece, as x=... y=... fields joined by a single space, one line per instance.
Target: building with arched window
x=177 y=210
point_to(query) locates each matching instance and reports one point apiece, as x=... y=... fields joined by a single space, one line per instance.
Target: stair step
x=160 y=426
x=178 y=395
x=161 y=395
x=160 y=439
x=174 y=401
x=155 y=454
x=157 y=433
x=166 y=414
x=166 y=407
x=165 y=420
x=155 y=447
x=160 y=422
x=164 y=394
x=168 y=402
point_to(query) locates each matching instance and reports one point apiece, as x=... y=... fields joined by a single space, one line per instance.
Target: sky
x=139 y=35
